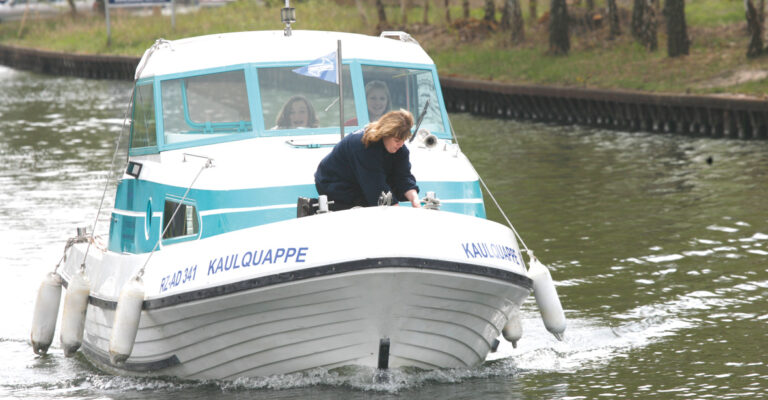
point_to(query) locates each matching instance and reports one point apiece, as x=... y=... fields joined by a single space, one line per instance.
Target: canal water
x=658 y=244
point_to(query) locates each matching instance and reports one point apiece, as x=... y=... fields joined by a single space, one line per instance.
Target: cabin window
x=294 y=101
x=205 y=106
x=143 y=117
x=183 y=224
x=409 y=89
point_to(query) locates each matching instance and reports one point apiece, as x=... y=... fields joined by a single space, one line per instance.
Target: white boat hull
x=439 y=308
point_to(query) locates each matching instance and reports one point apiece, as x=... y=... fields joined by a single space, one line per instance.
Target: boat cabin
x=253 y=101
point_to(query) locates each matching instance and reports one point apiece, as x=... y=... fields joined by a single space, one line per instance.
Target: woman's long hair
x=284 y=118
x=396 y=124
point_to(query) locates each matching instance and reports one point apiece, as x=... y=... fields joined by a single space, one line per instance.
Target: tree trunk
x=755 y=29
x=404 y=12
x=382 y=14
x=72 y=8
x=638 y=10
x=559 y=42
x=613 y=20
x=677 y=33
x=532 y=12
x=425 y=18
x=490 y=11
x=590 y=5
x=361 y=11
x=506 y=15
x=465 y=8
x=447 y=12
x=650 y=26
x=644 y=24
x=100 y=7
x=518 y=31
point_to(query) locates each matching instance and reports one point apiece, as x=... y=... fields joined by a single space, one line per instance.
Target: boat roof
x=237 y=48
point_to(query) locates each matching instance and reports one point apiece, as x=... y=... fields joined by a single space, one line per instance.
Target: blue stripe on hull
x=230 y=210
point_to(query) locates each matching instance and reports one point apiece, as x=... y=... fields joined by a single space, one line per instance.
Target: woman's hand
x=413 y=196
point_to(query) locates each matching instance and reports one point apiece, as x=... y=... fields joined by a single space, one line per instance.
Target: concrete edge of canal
x=694 y=115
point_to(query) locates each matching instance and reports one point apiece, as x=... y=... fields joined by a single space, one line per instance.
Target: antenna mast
x=287 y=16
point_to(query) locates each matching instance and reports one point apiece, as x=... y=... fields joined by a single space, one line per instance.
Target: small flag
x=323 y=68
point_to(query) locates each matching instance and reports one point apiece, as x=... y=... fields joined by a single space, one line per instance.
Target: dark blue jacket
x=355 y=176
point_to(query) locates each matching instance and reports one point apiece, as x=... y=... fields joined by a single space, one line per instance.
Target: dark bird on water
x=709 y=160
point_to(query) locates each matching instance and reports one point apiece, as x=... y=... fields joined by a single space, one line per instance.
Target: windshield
x=290 y=100
x=205 y=106
x=406 y=88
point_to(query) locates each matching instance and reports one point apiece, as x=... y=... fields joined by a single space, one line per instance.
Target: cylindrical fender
x=513 y=329
x=73 y=314
x=546 y=298
x=46 y=312
x=126 y=323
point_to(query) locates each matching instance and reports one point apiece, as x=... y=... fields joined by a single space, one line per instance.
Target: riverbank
x=698 y=115
x=628 y=88
x=466 y=48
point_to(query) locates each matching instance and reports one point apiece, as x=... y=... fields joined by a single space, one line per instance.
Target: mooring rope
x=208 y=163
x=109 y=177
x=151 y=50
x=498 y=206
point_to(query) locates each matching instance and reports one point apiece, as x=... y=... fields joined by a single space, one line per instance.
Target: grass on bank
x=717 y=62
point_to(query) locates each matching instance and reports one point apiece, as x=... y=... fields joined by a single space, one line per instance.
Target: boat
x=211 y=272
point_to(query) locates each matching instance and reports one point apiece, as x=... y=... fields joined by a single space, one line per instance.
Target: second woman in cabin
x=297 y=112
x=368 y=162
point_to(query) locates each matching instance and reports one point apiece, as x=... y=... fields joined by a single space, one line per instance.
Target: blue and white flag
x=323 y=68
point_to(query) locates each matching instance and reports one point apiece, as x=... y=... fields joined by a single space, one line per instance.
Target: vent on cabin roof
x=399 y=35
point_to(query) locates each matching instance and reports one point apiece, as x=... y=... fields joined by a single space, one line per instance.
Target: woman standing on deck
x=368 y=162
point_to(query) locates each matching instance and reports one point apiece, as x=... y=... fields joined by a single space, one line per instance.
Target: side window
x=143 y=117
x=294 y=101
x=389 y=88
x=205 y=106
x=184 y=223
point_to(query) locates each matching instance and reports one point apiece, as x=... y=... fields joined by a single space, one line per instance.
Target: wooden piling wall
x=67 y=64
x=696 y=115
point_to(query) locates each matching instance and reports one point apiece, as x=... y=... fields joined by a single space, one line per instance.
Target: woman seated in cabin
x=377 y=99
x=368 y=162
x=297 y=112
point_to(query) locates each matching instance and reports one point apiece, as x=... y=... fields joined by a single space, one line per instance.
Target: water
x=661 y=258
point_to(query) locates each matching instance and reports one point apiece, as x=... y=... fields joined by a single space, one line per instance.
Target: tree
x=755 y=28
x=404 y=12
x=677 y=33
x=382 y=13
x=559 y=42
x=613 y=20
x=638 y=9
x=361 y=11
x=447 y=12
x=465 y=8
x=649 y=28
x=72 y=8
x=590 y=5
x=512 y=11
x=532 y=12
x=490 y=11
x=506 y=15
x=425 y=17
x=644 y=24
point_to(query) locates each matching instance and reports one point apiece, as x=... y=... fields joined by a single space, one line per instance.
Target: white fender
x=73 y=315
x=546 y=298
x=126 y=323
x=46 y=312
x=513 y=329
